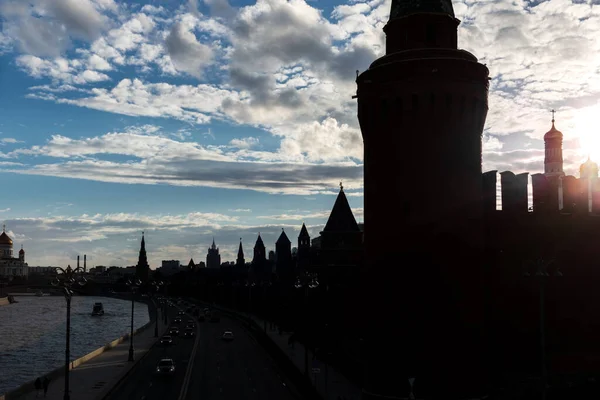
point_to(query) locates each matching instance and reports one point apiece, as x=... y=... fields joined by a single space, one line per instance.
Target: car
x=174 y=331
x=180 y=313
x=189 y=332
x=177 y=320
x=165 y=366
x=227 y=336
x=190 y=326
x=166 y=340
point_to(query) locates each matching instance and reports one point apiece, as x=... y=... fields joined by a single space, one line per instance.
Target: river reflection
x=32 y=333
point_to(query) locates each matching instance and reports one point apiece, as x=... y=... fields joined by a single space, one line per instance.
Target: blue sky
x=194 y=119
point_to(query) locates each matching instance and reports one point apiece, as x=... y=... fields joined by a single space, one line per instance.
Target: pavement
x=95 y=378
x=329 y=382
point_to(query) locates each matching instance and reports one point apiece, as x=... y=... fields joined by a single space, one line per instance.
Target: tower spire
x=142 y=269
x=553 y=111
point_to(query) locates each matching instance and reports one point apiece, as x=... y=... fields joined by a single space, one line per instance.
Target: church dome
x=553 y=133
x=5 y=239
x=588 y=169
x=21 y=251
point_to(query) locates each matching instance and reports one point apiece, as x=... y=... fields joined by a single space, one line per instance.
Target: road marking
x=188 y=371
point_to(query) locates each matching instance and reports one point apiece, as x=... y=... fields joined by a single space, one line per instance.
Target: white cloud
x=244 y=143
x=186 y=52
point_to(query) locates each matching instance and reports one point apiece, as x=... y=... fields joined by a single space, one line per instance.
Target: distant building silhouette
x=213 y=258
x=284 y=267
x=259 y=261
x=240 y=262
x=423 y=105
x=191 y=265
x=303 y=257
x=142 y=269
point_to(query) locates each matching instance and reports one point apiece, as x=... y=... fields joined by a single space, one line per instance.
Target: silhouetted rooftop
x=303 y=231
x=341 y=218
x=402 y=8
x=283 y=239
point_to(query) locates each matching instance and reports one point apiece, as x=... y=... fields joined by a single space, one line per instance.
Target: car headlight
x=172 y=369
x=157 y=369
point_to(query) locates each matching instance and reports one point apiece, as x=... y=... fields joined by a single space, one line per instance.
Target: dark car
x=177 y=320
x=180 y=313
x=189 y=332
x=227 y=336
x=166 y=366
x=174 y=331
x=166 y=340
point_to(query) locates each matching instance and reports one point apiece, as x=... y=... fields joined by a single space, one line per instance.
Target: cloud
x=4 y=210
x=244 y=143
x=188 y=55
x=9 y=140
x=154 y=158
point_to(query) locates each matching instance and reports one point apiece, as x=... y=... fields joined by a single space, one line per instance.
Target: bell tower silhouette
x=422 y=108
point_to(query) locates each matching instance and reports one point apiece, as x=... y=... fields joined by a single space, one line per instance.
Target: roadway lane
x=235 y=370
x=143 y=384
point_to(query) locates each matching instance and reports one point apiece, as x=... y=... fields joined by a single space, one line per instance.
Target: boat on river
x=98 y=309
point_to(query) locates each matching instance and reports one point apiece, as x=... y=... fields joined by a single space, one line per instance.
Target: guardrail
x=30 y=386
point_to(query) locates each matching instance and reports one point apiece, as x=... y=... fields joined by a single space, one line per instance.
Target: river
x=32 y=333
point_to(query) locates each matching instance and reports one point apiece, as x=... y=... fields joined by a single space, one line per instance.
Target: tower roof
x=191 y=263
x=21 y=251
x=403 y=8
x=553 y=133
x=283 y=239
x=259 y=242
x=303 y=231
x=240 y=250
x=341 y=218
x=588 y=169
x=4 y=238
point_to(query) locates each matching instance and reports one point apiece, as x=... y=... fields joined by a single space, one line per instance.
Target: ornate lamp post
x=154 y=288
x=66 y=278
x=134 y=285
x=311 y=283
x=265 y=285
x=540 y=272
x=250 y=285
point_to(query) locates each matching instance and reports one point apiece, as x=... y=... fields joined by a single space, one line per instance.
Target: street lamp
x=265 y=285
x=250 y=285
x=66 y=278
x=154 y=288
x=134 y=285
x=312 y=283
x=540 y=271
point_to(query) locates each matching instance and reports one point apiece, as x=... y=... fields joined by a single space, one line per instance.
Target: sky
x=194 y=119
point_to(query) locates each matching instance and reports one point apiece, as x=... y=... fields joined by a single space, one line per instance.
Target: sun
x=587 y=129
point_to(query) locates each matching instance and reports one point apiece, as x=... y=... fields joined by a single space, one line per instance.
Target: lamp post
x=250 y=285
x=312 y=283
x=134 y=285
x=540 y=271
x=265 y=285
x=66 y=278
x=154 y=288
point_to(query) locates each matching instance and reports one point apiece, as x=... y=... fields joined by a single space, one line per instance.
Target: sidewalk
x=93 y=380
x=327 y=380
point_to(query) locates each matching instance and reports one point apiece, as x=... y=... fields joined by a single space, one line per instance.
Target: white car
x=227 y=336
x=166 y=366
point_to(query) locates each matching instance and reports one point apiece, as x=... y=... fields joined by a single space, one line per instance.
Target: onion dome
x=553 y=133
x=21 y=251
x=588 y=169
x=4 y=238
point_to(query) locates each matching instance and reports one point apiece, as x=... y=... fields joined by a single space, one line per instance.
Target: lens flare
x=587 y=128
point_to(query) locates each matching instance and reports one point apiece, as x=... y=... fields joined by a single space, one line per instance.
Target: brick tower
x=422 y=108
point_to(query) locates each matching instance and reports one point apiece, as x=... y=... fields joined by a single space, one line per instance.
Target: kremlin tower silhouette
x=422 y=108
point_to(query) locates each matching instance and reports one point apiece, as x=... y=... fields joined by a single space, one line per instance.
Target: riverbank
x=34 y=333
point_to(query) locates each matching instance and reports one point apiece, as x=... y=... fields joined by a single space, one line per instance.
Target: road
x=235 y=370
x=143 y=384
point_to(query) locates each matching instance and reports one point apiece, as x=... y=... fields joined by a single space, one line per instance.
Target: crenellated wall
x=565 y=194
